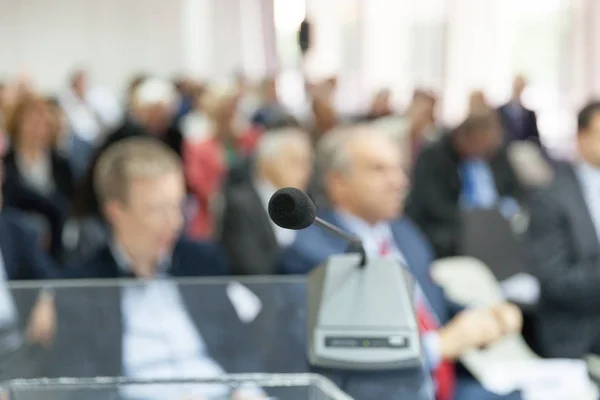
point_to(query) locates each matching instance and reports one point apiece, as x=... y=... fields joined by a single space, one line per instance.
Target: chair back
x=488 y=236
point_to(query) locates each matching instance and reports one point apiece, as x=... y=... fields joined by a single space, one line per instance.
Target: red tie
x=444 y=375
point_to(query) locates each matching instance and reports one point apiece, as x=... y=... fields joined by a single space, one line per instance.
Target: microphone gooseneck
x=291 y=208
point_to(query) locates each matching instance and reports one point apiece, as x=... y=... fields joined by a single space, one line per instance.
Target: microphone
x=291 y=208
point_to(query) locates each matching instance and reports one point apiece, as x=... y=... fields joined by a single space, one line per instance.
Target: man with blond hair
x=156 y=328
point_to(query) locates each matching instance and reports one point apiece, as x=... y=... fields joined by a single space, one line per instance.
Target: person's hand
x=42 y=322
x=470 y=329
x=509 y=317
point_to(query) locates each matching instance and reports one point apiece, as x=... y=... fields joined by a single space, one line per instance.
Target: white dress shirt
x=372 y=236
x=38 y=175
x=284 y=237
x=589 y=178
x=161 y=342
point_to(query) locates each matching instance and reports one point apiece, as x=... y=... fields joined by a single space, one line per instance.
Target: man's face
x=589 y=141
x=519 y=85
x=80 y=84
x=156 y=118
x=152 y=217
x=292 y=167
x=374 y=186
x=482 y=144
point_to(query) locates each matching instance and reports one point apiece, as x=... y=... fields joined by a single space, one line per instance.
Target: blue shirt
x=478 y=185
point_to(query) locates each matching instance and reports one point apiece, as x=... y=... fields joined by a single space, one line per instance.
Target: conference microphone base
x=362 y=318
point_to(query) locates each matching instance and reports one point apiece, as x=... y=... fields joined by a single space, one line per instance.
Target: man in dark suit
x=151 y=329
x=365 y=184
x=465 y=169
x=283 y=158
x=564 y=233
x=518 y=122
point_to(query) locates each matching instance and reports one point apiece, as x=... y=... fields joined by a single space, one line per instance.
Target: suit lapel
x=576 y=206
x=418 y=259
x=261 y=218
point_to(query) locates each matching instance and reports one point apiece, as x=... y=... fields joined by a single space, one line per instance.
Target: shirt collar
x=362 y=228
x=264 y=188
x=123 y=261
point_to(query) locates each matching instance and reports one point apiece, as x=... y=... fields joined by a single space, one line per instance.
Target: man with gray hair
x=283 y=158
x=365 y=184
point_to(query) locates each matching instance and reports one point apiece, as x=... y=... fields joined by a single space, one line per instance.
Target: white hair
x=155 y=91
x=271 y=143
x=332 y=151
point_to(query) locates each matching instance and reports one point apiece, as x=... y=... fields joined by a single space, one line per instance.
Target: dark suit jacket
x=434 y=197
x=90 y=326
x=566 y=260
x=247 y=233
x=23 y=259
x=53 y=207
x=313 y=245
x=526 y=130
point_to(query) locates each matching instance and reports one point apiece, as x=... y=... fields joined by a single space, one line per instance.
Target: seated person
x=564 y=237
x=365 y=184
x=466 y=169
x=38 y=179
x=22 y=259
x=151 y=109
x=283 y=158
x=209 y=157
x=155 y=329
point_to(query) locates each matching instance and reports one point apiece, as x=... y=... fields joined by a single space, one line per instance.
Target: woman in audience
x=210 y=157
x=37 y=178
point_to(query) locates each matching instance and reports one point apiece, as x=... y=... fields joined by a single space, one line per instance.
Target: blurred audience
x=564 y=236
x=366 y=186
x=76 y=150
x=90 y=111
x=283 y=159
x=381 y=105
x=151 y=113
x=271 y=111
x=37 y=178
x=324 y=117
x=466 y=169
x=519 y=123
x=422 y=125
x=478 y=102
x=209 y=158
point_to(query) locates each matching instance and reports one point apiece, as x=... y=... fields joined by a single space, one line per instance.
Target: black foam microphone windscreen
x=291 y=208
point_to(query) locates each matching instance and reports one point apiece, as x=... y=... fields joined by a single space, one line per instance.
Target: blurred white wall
x=118 y=38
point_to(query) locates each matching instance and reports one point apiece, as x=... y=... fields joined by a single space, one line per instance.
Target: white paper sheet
x=247 y=305
x=557 y=379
